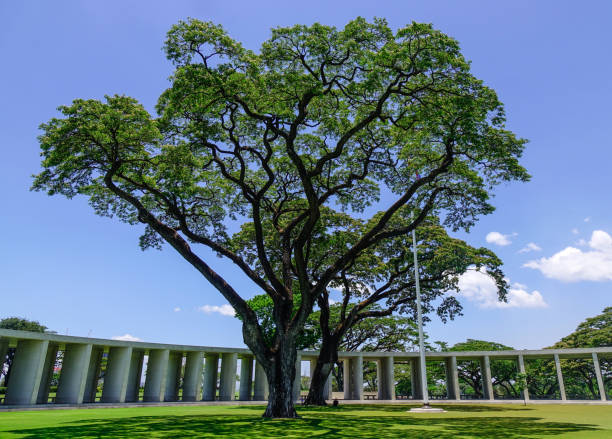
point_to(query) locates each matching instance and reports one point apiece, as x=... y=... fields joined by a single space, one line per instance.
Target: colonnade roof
x=14 y=336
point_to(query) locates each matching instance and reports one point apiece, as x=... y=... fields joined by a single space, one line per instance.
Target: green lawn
x=350 y=421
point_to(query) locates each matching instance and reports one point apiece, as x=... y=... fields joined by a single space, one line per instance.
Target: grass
x=349 y=421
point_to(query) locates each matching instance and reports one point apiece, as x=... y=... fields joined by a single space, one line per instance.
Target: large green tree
x=503 y=372
x=579 y=375
x=320 y=118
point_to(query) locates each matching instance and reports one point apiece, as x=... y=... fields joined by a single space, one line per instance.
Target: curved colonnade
x=193 y=373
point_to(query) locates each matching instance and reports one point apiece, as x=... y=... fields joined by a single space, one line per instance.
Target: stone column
x=173 y=380
x=487 y=383
x=560 y=378
x=211 y=367
x=47 y=374
x=116 y=377
x=327 y=390
x=600 y=383
x=386 y=379
x=354 y=378
x=297 y=381
x=192 y=382
x=521 y=367
x=155 y=381
x=346 y=373
x=93 y=375
x=134 y=375
x=227 y=382
x=73 y=377
x=452 y=378
x=415 y=379
x=26 y=372
x=246 y=378
x=260 y=391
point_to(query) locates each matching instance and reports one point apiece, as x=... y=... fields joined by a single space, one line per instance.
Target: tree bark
x=328 y=355
x=280 y=371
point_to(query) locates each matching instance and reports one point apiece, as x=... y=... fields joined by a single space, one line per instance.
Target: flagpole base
x=426 y=408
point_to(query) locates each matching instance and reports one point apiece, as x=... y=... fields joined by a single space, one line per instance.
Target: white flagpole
x=420 y=323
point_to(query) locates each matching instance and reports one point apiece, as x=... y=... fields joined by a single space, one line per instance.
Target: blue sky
x=85 y=275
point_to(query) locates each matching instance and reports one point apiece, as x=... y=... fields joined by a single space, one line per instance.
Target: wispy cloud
x=177 y=309
x=531 y=247
x=224 y=310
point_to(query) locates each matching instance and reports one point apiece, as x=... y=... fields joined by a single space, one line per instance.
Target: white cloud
x=499 y=239
x=572 y=264
x=126 y=337
x=177 y=309
x=476 y=286
x=575 y=231
x=587 y=219
x=224 y=310
x=531 y=247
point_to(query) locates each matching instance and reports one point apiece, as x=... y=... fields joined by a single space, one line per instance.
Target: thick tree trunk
x=316 y=393
x=280 y=371
x=327 y=358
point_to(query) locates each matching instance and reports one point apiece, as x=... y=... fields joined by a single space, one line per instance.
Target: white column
x=73 y=377
x=211 y=368
x=47 y=374
x=134 y=375
x=26 y=372
x=155 y=381
x=485 y=373
x=93 y=375
x=175 y=364
x=560 y=378
x=116 y=377
x=415 y=379
x=297 y=381
x=355 y=378
x=246 y=378
x=227 y=384
x=346 y=373
x=386 y=378
x=452 y=379
x=521 y=366
x=260 y=391
x=600 y=383
x=327 y=390
x=192 y=382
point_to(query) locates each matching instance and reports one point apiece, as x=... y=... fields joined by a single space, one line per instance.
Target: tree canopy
x=579 y=374
x=503 y=372
x=21 y=324
x=302 y=139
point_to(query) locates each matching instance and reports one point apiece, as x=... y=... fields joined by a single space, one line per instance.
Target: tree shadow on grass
x=312 y=424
